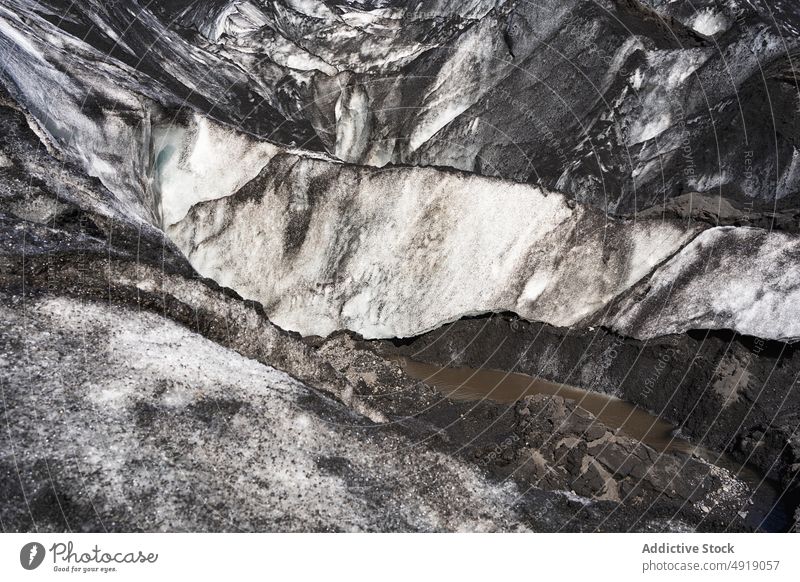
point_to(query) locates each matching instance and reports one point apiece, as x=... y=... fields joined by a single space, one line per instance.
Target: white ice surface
x=202 y=161
x=397 y=252
x=352 y=124
x=656 y=110
x=743 y=279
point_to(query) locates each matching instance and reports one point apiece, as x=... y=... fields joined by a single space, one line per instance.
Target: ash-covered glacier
x=621 y=174
x=146 y=425
x=621 y=104
x=726 y=278
x=397 y=252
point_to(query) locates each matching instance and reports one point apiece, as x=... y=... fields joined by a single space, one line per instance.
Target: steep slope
x=383 y=252
x=673 y=98
x=663 y=108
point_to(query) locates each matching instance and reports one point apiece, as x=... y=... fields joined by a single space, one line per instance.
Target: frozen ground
x=140 y=424
x=626 y=169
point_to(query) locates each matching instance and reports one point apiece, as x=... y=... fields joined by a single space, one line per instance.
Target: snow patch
x=710 y=22
x=534 y=288
x=352 y=123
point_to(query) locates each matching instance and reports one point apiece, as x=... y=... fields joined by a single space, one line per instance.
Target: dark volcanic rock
x=727 y=391
x=687 y=379
x=549 y=443
x=558 y=445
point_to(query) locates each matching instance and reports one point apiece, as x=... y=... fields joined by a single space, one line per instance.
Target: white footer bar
x=354 y=557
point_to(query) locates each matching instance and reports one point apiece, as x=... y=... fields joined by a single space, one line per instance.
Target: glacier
x=264 y=188
x=397 y=252
x=383 y=251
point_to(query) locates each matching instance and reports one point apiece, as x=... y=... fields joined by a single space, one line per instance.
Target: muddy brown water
x=768 y=510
